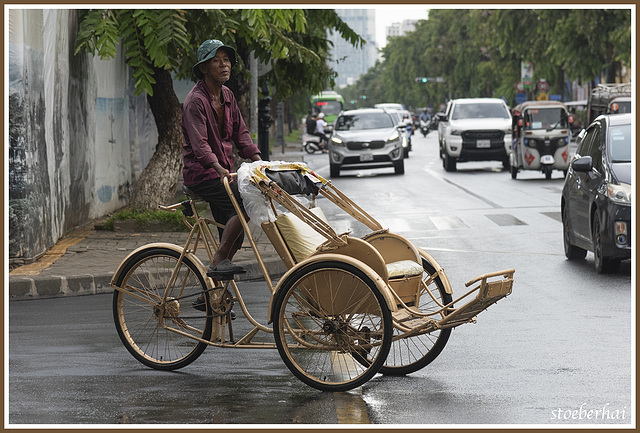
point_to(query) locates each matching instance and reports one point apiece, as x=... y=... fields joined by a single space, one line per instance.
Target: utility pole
x=264 y=121
x=253 y=97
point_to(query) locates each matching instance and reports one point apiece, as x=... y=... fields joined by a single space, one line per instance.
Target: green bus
x=330 y=103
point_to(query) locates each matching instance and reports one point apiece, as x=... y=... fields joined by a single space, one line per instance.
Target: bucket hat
x=207 y=50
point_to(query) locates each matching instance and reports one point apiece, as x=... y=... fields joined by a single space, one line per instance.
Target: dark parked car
x=365 y=138
x=596 y=197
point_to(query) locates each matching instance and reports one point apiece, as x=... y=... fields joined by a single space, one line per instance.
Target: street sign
x=543 y=97
x=519 y=86
x=520 y=98
x=543 y=86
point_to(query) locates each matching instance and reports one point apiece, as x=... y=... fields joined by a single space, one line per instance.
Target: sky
x=389 y=14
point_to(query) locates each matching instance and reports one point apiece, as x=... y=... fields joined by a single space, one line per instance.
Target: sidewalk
x=83 y=262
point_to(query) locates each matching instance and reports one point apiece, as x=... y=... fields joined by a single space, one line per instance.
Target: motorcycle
x=313 y=144
x=424 y=127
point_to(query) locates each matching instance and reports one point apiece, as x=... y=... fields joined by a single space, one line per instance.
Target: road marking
x=505 y=220
x=446 y=223
x=460 y=187
x=511 y=253
x=553 y=215
x=55 y=252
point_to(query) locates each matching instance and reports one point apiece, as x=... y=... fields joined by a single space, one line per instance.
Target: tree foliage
x=160 y=44
x=478 y=53
x=150 y=39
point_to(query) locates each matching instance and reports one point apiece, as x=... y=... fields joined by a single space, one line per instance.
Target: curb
x=55 y=286
x=65 y=281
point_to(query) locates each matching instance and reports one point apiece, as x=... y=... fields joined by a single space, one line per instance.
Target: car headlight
x=337 y=141
x=619 y=193
x=394 y=136
x=455 y=132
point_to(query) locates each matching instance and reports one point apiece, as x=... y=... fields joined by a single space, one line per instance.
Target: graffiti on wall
x=76 y=142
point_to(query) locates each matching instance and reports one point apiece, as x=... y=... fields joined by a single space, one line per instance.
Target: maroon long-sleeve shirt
x=203 y=144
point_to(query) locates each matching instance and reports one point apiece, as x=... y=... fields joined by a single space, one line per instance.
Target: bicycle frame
x=200 y=234
x=340 y=309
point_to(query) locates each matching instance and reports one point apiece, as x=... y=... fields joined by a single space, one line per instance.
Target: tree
x=478 y=52
x=159 y=43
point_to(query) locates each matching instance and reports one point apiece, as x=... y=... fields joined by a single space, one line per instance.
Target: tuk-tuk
x=541 y=131
x=609 y=99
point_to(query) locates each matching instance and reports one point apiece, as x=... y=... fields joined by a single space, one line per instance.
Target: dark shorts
x=214 y=193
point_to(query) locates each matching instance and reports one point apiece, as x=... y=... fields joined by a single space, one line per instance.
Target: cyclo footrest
x=412 y=321
x=489 y=292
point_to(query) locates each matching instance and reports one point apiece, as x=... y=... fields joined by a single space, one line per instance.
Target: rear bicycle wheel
x=142 y=315
x=410 y=354
x=327 y=315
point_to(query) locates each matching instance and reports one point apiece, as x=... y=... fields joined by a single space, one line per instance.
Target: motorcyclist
x=319 y=132
x=406 y=120
x=311 y=123
x=425 y=121
x=425 y=116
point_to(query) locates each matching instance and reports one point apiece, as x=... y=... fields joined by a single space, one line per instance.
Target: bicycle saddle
x=189 y=193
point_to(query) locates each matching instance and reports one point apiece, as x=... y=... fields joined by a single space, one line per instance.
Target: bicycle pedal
x=220 y=277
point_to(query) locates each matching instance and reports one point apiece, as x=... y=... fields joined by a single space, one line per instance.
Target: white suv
x=475 y=129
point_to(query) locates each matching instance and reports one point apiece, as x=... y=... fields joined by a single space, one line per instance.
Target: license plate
x=366 y=157
x=483 y=144
x=547 y=159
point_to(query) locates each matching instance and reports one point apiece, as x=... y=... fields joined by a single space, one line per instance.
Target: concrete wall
x=78 y=137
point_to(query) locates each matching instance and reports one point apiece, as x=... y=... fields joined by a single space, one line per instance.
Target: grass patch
x=146 y=219
x=294 y=137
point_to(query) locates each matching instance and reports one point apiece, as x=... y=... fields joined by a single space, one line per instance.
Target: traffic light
x=264 y=113
x=429 y=80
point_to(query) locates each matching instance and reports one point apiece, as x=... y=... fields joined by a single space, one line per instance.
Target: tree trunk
x=560 y=85
x=157 y=183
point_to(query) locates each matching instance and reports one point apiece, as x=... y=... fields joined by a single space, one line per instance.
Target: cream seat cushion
x=303 y=241
x=300 y=237
x=404 y=268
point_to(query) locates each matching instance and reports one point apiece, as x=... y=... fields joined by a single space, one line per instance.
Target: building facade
x=348 y=61
x=78 y=136
x=400 y=29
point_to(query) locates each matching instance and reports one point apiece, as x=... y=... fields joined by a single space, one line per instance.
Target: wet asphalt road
x=557 y=351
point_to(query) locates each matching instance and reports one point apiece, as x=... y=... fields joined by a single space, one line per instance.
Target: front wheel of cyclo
x=328 y=317
x=143 y=314
x=410 y=354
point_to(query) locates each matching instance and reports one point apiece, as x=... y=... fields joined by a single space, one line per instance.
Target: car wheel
x=405 y=152
x=604 y=265
x=506 y=165
x=398 y=166
x=514 y=172
x=449 y=162
x=334 y=170
x=571 y=251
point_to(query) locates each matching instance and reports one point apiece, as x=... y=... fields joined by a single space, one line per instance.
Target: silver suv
x=475 y=129
x=365 y=138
